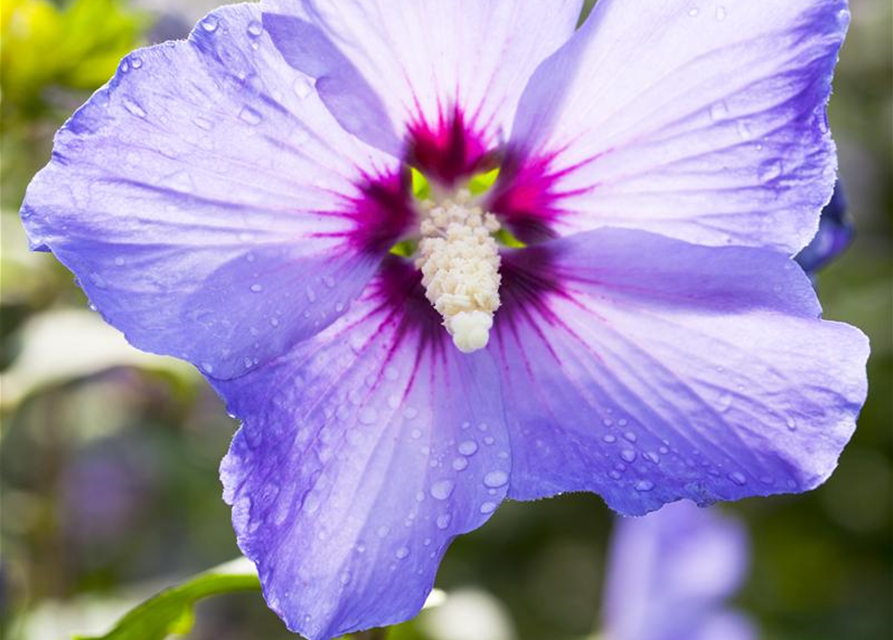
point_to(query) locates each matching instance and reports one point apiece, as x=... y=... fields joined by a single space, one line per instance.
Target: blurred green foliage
x=77 y=46
x=108 y=458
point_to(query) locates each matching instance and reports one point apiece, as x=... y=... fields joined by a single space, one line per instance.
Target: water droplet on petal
x=443 y=520
x=134 y=107
x=629 y=435
x=719 y=111
x=693 y=12
x=720 y=14
x=791 y=423
x=609 y=438
x=250 y=116
x=488 y=507
x=202 y=123
x=468 y=448
x=255 y=29
x=644 y=486
x=460 y=464
x=368 y=416
x=401 y=553
x=724 y=402
x=303 y=86
x=383 y=531
x=738 y=478
x=629 y=455
x=256 y=288
x=770 y=170
x=210 y=24
x=442 y=489
x=496 y=479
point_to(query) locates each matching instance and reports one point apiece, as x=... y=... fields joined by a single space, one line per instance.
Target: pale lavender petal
x=701 y=121
x=647 y=370
x=669 y=574
x=835 y=234
x=209 y=204
x=363 y=453
x=393 y=64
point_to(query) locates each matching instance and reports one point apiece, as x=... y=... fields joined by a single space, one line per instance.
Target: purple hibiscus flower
x=670 y=573
x=619 y=313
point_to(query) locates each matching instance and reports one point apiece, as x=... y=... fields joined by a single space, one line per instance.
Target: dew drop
x=207 y=367
x=719 y=111
x=629 y=455
x=488 y=507
x=210 y=24
x=368 y=416
x=303 y=87
x=770 y=170
x=629 y=435
x=724 y=402
x=134 y=107
x=791 y=423
x=609 y=438
x=744 y=131
x=345 y=578
x=136 y=62
x=383 y=531
x=401 y=553
x=496 y=479
x=693 y=12
x=460 y=464
x=255 y=29
x=250 y=116
x=652 y=457
x=468 y=448
x=738 y=478
x=119 y=261
x=202 y=123
x=256 y=288
x=720 y=14
x=442 y=489
x=311 y=295
x=615 y=474
x=443 y=521
x=644 y=486
x=416 y=434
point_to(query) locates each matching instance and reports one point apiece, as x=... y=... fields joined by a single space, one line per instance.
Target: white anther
x=459 y=260
x=471 y=330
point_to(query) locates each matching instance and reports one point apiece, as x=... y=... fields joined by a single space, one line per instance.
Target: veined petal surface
x=647 y=370
x=704 y=121
x=394 y=64
x=209 y=204
x=363 y=452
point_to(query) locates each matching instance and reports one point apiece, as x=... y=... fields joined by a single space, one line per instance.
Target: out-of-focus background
x=109 y=456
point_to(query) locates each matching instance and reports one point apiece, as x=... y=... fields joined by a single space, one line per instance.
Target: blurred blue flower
x=671 y=573
x=244 y=200
x=835 y=234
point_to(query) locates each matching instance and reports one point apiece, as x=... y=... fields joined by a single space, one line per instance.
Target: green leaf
x=172 y=610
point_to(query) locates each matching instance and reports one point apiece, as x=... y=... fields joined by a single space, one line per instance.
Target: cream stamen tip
x=471 y=330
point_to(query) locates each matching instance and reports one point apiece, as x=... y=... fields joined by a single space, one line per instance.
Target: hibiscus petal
x=647 y=370
x=363 y=452
x=701 y=121
x=836 y=232
x=209 y=204
x=669 y=573
x=392 y=64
